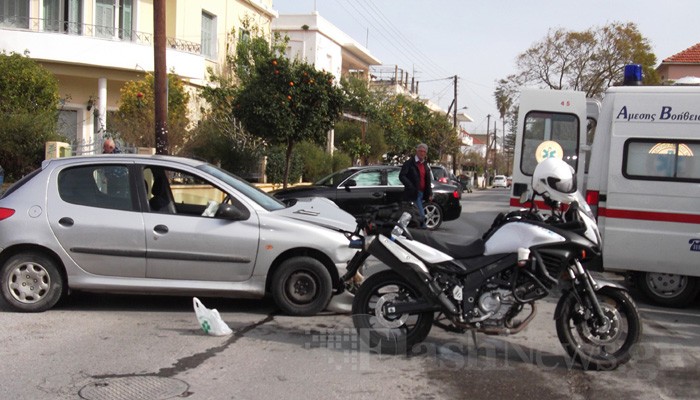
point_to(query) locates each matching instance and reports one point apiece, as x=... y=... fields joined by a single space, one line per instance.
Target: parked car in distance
x=466 y=182
x=444 y=175
x=164 y=225
x=354 y=188
x=500 y=181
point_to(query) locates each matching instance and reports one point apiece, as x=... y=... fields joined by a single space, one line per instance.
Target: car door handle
x=378 y=194
x=66 y=221
x=160 y=229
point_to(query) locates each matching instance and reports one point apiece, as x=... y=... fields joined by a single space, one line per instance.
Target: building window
x=104 y=18
x=126 y=15
x=63 y=16
x=243 y=35
x=14 y=14
x=208 y=35
x=68 y=125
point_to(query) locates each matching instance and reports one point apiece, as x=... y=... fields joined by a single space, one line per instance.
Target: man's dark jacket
x=410 y=176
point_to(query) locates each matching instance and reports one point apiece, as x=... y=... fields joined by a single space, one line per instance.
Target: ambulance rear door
x=551 y=123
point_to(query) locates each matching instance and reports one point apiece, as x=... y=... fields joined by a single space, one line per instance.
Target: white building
x=94 y=47
x=318 y=42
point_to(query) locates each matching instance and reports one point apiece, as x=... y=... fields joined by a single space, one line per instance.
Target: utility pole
x=488 y=143
x=495 y=145
x=454 y=124
x=454 y=112
x=161 y=77
x=488 y=148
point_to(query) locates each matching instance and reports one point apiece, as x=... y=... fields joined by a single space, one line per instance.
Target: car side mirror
x=231 y=213
x=349 y=183
x=290 y=202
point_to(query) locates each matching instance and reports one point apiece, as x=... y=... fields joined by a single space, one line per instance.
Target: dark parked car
x=466 y=182
x=354 y=188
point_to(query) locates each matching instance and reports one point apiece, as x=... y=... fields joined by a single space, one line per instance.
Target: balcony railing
x=95 y=31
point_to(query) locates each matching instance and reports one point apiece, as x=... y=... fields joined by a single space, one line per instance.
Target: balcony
x=97 y=46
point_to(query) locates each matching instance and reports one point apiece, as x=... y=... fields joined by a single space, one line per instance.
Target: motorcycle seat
x=455 y=246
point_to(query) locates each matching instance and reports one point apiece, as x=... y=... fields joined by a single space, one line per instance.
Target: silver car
x=164 y=225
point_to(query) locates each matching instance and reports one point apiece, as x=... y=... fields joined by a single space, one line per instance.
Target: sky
x=479 y=40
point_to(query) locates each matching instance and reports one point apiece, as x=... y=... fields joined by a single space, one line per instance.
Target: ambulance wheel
x=669 y=290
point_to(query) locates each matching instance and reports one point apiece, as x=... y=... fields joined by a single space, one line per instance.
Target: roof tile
x=691 y=55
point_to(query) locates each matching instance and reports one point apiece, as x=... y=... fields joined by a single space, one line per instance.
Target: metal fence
x=96 y=31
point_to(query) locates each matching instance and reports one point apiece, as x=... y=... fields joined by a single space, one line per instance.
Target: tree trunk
x=287 y=164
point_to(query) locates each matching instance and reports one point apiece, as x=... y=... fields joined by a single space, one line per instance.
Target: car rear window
x=20 y=183
x=103 y=186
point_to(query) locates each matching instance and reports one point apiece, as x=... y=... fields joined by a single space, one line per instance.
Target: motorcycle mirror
x=405 y=219
x=526 y=196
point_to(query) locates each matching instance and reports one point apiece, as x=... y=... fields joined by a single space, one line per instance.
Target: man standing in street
x=416 y=179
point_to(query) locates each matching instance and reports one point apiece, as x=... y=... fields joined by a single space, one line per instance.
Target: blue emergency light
x=633 y=75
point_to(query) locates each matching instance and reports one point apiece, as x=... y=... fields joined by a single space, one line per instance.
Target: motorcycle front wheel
x=383 y=333
x=595 y=344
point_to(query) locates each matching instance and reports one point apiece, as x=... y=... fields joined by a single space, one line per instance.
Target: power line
x=361 y=23
x=404 y=40
x=392 y=42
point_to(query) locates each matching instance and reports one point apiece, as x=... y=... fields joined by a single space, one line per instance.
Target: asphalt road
x=140 y=347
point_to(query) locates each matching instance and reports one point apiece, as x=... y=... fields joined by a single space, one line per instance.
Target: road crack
x=195 y=360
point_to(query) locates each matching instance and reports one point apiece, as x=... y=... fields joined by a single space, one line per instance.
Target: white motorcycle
x=491 y=285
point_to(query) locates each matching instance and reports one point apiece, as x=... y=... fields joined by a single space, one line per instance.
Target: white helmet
x=555 y=179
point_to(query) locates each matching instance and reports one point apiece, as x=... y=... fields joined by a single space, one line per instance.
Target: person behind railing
x=109 y=147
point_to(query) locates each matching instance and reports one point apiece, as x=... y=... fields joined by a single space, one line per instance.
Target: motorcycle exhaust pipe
x=410 y=307
x=515 y=329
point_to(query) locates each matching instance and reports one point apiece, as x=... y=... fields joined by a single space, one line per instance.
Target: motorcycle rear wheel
x=382 y=333
x=599 y=347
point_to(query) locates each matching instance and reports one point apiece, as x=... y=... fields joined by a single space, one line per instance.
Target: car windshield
x=335 y=178
x=252 y=192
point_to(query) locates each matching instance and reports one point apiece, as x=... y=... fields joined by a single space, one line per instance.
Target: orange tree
x=283 y=101
x=134 y=122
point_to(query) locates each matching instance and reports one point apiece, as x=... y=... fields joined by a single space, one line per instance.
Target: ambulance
x=637 y=157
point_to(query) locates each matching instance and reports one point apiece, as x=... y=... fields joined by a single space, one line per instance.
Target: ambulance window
x=590 y=134
x=543 y=126
x=668 y=160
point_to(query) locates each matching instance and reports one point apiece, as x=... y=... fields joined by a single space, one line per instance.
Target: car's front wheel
x=302 y=286
x=433 y=216
x=31 y=282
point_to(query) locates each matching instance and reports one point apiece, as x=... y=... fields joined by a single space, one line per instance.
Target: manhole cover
x=134 y=387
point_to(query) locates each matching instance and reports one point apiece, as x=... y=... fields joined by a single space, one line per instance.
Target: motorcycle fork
x=582 y=278
x=355 y=263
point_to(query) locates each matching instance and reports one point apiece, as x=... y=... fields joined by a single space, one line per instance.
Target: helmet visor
x=562 y=185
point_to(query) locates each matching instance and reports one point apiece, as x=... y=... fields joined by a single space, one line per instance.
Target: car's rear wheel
x=31 y=282
x=302 y=286
x=433 y=216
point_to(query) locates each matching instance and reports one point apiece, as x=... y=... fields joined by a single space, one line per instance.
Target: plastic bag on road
x=209 y=320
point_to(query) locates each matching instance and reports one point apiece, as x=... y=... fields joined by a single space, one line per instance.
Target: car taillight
x=455 y=194
x=6 y=213
x=593 y=198
x=443 y=180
